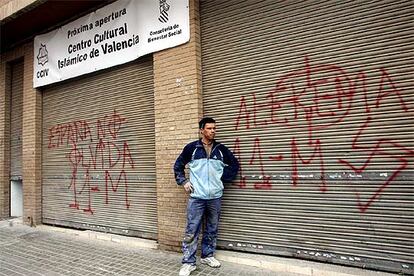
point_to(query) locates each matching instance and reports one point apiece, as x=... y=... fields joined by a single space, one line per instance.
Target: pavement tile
x=31 y=251
x=38 y=251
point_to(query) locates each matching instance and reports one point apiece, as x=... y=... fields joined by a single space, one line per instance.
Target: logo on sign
x=42 y=57
x=164 y=8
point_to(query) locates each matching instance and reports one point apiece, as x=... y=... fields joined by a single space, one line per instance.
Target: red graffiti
x=69 y=133
x=310 y=98
x=377 y=150
x=314 y=99
x=244 y=113
x=108 y=178
x=80 y=131
x=89 y=189
x=88 y=158
x=75 y=203
x=265 y=183
x=316 y=153
x=382 y=93
x=110 y=125
x=236 y=150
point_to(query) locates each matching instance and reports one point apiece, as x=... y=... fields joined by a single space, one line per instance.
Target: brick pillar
x=4 y=138
x=178 y=108
x=32 y=135
x=32 y=144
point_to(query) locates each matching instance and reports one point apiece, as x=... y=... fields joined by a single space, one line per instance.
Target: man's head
x=207 y=127
x=204 y=121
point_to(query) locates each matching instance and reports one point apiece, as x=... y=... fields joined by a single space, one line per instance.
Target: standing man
x=210 y=164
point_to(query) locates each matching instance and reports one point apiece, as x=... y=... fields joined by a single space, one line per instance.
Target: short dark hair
x=204 y=121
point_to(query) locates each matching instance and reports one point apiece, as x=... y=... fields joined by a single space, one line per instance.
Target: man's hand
x=188 y=187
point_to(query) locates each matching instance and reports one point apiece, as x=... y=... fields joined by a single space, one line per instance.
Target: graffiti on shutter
x=94 y=148
x=316 y=98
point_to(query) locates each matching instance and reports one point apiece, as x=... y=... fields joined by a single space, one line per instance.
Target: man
x=210 y=164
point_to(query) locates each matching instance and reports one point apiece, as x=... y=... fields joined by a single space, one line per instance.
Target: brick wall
x=178 y=108
x=31 y=135
x=32 y=144
x=4 y=137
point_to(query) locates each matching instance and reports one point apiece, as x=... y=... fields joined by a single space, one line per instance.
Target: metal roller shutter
x=16 y=120
x=315 y=98
x=99 y=152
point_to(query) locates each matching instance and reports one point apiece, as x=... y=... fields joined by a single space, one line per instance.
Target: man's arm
x=179 y=165
x=232 y=168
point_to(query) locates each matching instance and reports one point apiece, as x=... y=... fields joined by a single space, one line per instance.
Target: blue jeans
x=196 y=210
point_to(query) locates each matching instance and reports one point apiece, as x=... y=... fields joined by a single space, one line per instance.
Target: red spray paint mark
x=318 y=97
x=107 y=156
x=243 y=113
x=371 y=153
x=108 y=179
x=242 y=182
x=317 y=154
x=383 y=93
x=87 y=186
x=265 y=184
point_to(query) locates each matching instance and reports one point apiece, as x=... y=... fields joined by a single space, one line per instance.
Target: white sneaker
x=186 y=269
x=211 y=262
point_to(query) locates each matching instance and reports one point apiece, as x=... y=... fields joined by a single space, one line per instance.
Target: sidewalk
x=51 y=251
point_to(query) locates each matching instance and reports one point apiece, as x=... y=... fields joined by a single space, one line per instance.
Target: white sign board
x=115 y=34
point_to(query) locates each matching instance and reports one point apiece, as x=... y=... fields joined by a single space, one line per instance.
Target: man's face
x=209 y=131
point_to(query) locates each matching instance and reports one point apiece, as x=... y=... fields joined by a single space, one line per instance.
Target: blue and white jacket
x=207 y=173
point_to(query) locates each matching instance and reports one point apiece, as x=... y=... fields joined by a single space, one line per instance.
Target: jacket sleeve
x=232 y=168
x=180 y=163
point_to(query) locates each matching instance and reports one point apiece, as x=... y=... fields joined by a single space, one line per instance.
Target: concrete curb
x=107 y=237
x=11 y=222
x=297 y=266
x=87 y=234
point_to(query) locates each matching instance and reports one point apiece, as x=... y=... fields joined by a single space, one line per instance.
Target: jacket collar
x=200 y=144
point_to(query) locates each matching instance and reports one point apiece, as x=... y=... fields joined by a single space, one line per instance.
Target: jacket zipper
x=208 y=170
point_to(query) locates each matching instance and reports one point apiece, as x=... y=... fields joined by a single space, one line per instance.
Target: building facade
x=314 y=98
